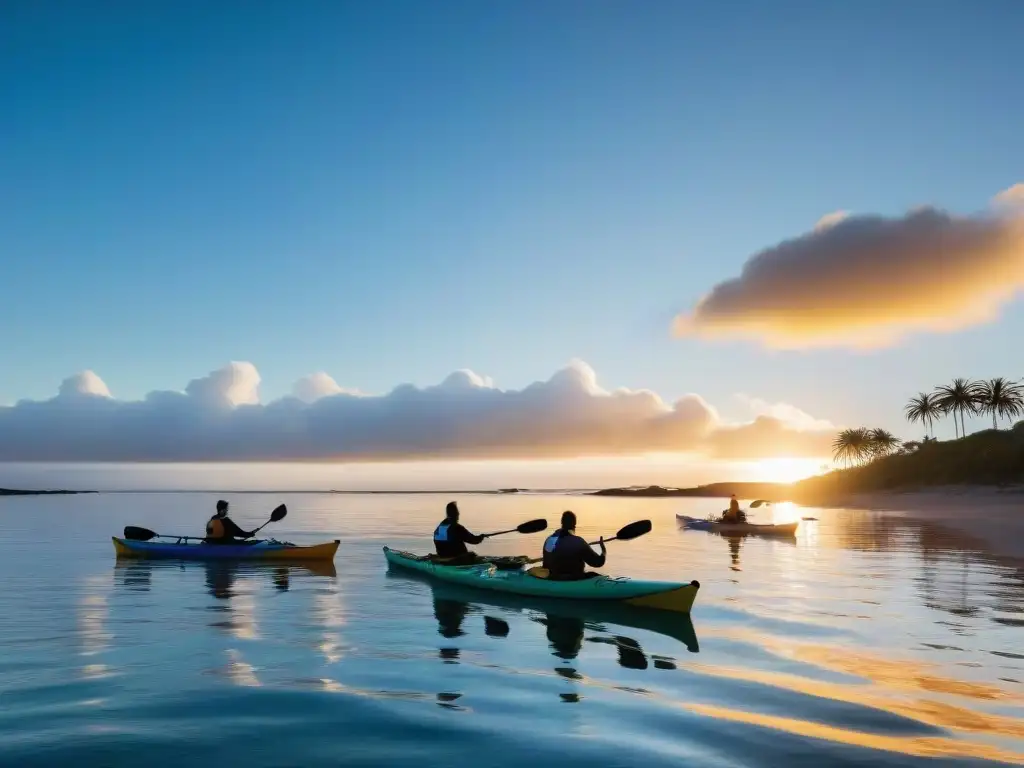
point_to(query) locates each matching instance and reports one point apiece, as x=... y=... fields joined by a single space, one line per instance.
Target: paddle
x=275 y=517
x=138 y=533
x=533 y=526
x=632 y=531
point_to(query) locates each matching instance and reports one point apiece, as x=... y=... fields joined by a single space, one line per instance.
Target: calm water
x=862 y=641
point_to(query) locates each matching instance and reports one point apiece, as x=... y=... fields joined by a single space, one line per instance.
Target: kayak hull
x=259 y=552
x=656 y=595
x=766 y=529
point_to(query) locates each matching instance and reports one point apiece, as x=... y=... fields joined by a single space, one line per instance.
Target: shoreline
x=18 y=492
x=993 y=517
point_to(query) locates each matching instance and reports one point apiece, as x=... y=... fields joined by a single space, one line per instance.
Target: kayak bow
x=257 y=551
x=659 y=595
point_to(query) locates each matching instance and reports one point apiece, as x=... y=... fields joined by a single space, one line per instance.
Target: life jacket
x=550 y=545
x=215 y=529
x=552 y=541
x=446 y=545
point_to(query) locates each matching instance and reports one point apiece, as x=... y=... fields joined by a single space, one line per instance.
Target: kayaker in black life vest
x=221 y=529
x=451 y=537
x=566 y=555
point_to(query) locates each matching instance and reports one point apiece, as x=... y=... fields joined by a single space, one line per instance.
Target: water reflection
x=565 y=624
x=93 y=614
x=735 y=541
x=231 y=584
x=953 y=575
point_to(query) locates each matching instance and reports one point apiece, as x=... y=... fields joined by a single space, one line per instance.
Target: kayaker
x=451 y=536
x=734 y=514
x=566 y=555
x=221 y=529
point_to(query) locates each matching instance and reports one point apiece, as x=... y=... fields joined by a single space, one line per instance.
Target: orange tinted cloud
x=869 y=281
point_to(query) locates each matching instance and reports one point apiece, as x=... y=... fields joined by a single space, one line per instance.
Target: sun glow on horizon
x=784 y=470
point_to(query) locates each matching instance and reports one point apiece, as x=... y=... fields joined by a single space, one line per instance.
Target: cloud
x=220 y=417
x=787 y=414
x=869 y=281
x=830 y=219
x=1011 y=197
x=84 y=384
x=311 y=388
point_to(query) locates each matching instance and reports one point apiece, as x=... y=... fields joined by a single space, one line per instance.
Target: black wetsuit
x=566 y=556
x=450 y=539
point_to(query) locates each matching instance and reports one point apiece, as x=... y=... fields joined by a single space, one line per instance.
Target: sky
x=762 y=222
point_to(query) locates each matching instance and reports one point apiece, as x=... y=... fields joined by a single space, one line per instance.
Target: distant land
x=15 y=492
x=766 y=491
x=992 y=458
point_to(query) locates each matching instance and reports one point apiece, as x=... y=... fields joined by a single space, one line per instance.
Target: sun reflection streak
x=330 y=614
x=93 y=613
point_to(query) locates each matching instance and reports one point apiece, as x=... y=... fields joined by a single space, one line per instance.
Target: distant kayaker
x=566 y=555
x=451 y=537
x=221 y=529
x=734 y=514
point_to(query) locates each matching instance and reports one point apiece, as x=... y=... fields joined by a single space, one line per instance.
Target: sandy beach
x=992 y=516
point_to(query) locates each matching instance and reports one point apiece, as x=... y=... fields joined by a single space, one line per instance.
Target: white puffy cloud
x=868 y=281
x=788 y=414
x=220 y=417
x=83 y=384
x=311 y=388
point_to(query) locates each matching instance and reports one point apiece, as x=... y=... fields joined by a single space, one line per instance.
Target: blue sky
x=391 y=191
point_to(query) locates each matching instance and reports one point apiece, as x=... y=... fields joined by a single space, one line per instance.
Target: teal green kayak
x=658 y=595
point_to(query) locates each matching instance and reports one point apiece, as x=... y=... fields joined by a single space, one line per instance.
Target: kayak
x=659 y=595
x=670 y=624
x=768 y=529
x=257 y=551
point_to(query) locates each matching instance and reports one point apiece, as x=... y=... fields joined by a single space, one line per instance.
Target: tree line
x=999 y=397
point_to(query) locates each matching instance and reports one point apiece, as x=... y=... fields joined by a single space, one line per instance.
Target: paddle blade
x=634 y=530
x=135 y=533
x=534 y=526
x=278 y=514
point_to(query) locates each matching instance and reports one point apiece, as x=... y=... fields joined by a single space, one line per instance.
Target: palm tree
x=911 y=446
x=924 y=408
x=852 y=446
x=1001 y=398
x=960 y=397
x=882 y=442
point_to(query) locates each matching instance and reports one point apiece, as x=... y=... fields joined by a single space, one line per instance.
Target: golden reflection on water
x=920 y=746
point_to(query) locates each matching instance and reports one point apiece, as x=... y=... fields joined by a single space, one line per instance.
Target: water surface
x=861 y=641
